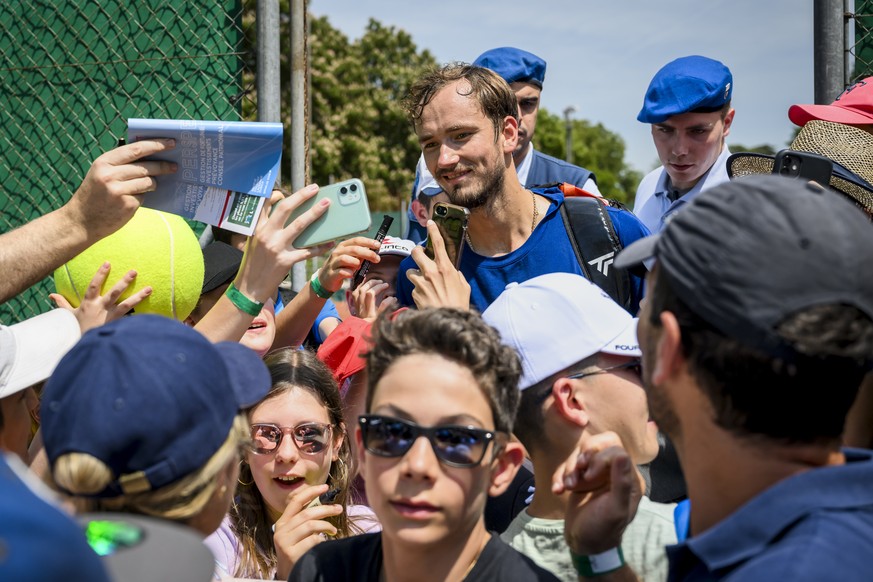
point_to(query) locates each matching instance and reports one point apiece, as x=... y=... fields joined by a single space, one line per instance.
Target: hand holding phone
x=365 y=266
x=451 y=220
x=796 y=164
x=348 y=214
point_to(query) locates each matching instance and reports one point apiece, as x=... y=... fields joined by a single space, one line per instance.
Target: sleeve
x=329 y=310
x=629 y=229
x=404 y=287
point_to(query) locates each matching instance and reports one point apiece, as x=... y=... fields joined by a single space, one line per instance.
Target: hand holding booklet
x=226 y=169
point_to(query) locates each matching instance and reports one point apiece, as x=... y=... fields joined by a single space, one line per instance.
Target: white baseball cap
x=396 y=246
x=554 y=321
x=30 y=350
x=425 y=182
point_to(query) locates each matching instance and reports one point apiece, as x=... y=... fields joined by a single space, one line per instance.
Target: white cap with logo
x=554 y=321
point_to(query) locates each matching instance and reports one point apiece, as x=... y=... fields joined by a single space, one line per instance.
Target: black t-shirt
x=360 y=558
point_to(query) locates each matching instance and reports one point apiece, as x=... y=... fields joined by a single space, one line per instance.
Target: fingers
x=125 y=306
x=97 y=281
x=438 y=243
x=139 y=149
x=144 y=169
x=120 y=287
x=584 y=468
x=282 y=211
x=60 y=301
x=298 y=500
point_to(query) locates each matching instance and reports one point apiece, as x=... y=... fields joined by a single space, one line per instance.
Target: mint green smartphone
x=347 y=215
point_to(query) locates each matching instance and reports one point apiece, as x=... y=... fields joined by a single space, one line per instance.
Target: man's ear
x=510 y=134
x=728 y=120
x=569 y=401
x=669 y=358
x=505 y=466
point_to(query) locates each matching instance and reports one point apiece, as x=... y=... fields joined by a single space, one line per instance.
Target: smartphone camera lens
x=441 y=210
x=343 y=190
x=353 y=188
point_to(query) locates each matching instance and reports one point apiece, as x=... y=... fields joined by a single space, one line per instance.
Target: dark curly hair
x=459 y=336
x=800 y=400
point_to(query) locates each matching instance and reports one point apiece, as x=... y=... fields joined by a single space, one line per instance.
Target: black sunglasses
x=456 y=446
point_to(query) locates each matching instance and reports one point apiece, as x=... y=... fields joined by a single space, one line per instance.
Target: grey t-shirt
x=645 y=538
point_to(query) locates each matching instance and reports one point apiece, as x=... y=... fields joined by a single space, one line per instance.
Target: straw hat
x=850 y=148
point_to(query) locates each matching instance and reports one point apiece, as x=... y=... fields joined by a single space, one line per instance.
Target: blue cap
x=149 y=397
x=38 y=540
x=686 y=84
x=514 y=65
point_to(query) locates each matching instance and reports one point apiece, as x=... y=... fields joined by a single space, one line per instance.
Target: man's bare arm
x=107 y=198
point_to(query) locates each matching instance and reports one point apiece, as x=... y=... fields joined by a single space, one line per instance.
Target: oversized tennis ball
x=163 y=250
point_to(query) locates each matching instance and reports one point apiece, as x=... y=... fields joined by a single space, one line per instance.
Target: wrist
x=318 y=288
x=594 y=565
x=243 y=302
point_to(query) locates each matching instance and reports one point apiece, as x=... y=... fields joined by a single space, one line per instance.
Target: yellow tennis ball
x=160 y=247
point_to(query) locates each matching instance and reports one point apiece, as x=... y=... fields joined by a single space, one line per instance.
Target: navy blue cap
x=149 y=397
x=686 y=84
x=514 y=65
x=748 y=253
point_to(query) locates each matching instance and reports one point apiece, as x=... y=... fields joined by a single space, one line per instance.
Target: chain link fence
x=861 y=46
x=73 y=72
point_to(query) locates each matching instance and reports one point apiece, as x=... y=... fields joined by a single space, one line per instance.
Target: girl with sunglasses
x=294 y=481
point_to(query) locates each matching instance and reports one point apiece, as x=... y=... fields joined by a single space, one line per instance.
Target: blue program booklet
x=226 y=169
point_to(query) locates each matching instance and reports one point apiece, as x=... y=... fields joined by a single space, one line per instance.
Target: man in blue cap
x=688 y=104
x=525 y=73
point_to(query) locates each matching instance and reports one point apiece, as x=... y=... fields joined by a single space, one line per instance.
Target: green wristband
x=598 y=564
x=317 y=288
x=242 y=302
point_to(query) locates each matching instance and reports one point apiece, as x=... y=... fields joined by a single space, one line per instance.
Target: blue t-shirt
x=547 y=250
x=816 y=525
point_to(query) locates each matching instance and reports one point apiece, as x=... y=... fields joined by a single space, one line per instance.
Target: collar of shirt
x=524 y=168
x=749 y=530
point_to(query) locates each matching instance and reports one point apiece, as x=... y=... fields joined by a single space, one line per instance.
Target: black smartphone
x=365 y=266
x=804 y=165
x=451 y=219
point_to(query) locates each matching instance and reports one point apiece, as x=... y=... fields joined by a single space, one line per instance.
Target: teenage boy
x=433 y=445
x=581 y=379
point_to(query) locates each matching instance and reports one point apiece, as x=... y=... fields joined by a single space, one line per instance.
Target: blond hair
x=82 y=475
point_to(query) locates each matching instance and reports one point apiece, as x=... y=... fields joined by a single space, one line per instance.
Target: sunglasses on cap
x=454 y=445
x=310 y=438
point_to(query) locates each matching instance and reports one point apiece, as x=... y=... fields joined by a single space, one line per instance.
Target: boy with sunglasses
x=581 y=378
x=433 y=445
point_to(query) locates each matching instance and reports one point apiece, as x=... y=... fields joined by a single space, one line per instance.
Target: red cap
x=342 y=350
x=853 y=107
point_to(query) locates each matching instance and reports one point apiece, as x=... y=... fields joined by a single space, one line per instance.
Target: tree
x=359 y=127
x=594 y=147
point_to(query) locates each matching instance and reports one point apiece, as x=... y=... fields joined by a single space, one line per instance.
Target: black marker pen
x=365 y=266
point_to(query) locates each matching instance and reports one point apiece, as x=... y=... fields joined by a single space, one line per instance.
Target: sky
x=602 y=54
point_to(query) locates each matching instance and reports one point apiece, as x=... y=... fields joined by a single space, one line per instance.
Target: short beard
x=492 y=184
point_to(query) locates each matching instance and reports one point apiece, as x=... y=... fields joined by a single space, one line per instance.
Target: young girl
x=299 y=453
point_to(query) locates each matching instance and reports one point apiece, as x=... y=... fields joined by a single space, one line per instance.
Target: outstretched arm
x=107 y=198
